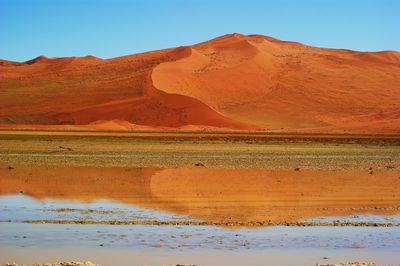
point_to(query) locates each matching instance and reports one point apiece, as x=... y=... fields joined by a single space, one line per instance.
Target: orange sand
x=235 y=82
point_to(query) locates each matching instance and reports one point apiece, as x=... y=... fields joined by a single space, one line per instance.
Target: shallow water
x=213 y=195
x=359 y=218
x=210 y=195
x=159 y=245
x=200 y=237
x=19 y=207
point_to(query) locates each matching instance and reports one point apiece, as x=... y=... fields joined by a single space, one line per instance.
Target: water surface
x=59 y=193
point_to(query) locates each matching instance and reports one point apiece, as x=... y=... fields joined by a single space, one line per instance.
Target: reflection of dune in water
x=215 y=194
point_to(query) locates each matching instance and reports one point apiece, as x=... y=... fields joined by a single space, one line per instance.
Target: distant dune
x=233 y=82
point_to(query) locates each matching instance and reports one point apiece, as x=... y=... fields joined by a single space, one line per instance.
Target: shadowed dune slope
x=234 y=82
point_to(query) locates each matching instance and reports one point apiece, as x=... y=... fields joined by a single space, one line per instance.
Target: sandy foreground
x=70 y=263
x=88 y=263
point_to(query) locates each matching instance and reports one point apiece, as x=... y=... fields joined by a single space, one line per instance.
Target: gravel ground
x=202 y=151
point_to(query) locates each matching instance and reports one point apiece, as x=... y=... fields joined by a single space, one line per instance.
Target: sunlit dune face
x=288 y=86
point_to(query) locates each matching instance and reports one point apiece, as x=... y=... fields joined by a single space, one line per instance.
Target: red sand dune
x=233 y=82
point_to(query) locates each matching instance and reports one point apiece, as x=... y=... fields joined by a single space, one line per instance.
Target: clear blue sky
x=113 y=28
